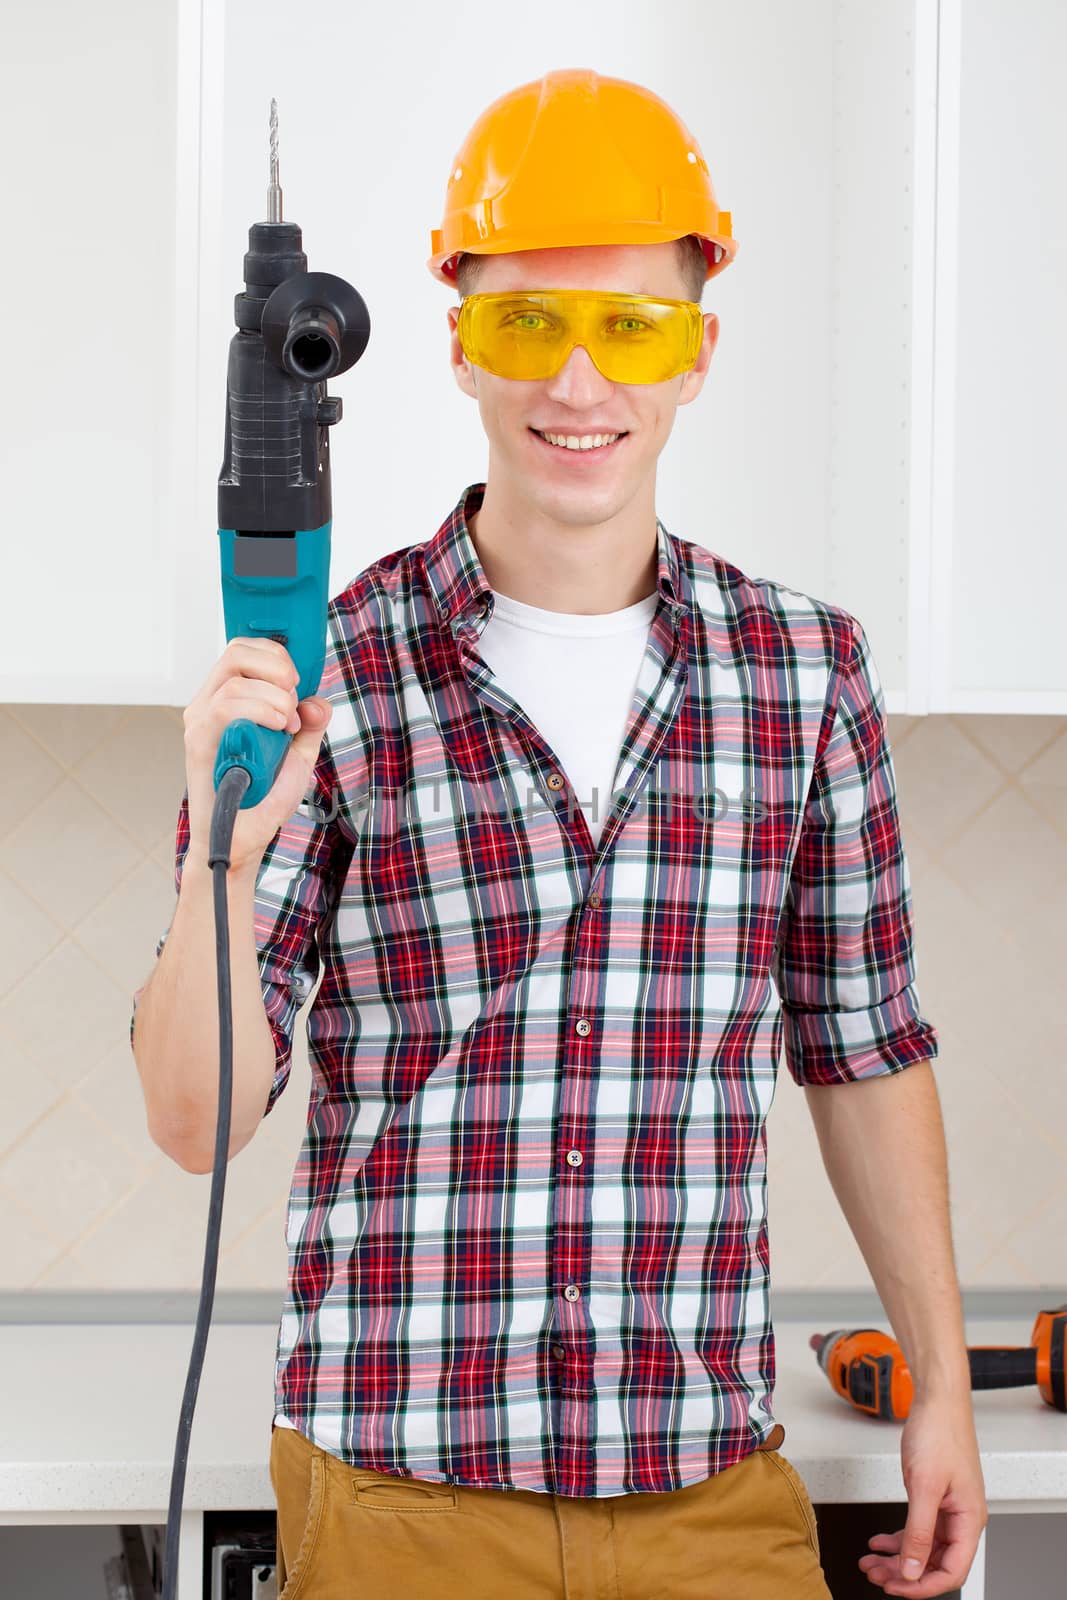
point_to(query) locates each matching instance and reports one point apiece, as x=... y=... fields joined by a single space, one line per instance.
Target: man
x=526 y=1344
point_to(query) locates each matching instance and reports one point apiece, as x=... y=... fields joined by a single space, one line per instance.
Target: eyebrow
x=618 y=294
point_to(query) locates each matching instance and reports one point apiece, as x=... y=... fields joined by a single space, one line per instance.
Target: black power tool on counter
x=866 y=1367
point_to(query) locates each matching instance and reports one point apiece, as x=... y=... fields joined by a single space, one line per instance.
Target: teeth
x=588 y=441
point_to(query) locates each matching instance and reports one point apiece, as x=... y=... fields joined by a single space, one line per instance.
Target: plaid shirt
x=527 y=1226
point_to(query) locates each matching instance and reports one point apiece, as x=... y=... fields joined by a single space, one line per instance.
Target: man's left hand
x=946 y=1503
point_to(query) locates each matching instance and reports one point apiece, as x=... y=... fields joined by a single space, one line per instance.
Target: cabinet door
x=1000 y=555
x=88 y=123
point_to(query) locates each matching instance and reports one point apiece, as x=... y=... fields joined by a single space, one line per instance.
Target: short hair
x=692 y=263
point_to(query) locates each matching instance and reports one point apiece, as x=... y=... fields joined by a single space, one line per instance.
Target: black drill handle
x=996 y=1367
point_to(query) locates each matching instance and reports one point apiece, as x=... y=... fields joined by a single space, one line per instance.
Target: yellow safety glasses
x=636 y=338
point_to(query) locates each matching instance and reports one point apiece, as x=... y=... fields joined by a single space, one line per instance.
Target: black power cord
x=232 y=787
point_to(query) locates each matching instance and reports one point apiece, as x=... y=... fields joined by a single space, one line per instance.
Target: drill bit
x=274 y=192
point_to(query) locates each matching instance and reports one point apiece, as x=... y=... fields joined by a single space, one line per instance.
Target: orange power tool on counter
x=867 y=1367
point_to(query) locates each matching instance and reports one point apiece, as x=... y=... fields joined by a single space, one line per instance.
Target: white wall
x=372 y=107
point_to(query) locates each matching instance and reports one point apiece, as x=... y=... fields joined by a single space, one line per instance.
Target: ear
x=693 y=380
x=462 y=370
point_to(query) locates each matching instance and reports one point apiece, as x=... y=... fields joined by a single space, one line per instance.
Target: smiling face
x=534 y=484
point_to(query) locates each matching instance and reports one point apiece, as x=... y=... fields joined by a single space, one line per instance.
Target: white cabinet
x=999 y=569
x=88 y=114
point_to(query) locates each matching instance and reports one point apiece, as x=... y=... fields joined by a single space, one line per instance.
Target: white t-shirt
x=574 y=676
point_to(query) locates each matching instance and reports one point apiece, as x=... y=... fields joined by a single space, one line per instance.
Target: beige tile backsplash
x=88 y=802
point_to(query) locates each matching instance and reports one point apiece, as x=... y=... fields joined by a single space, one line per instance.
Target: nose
x=578 y=377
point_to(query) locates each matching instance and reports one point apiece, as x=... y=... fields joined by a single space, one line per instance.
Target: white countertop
x=90 y=1412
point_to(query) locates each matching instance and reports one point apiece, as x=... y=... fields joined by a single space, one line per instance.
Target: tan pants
x=349 y=1533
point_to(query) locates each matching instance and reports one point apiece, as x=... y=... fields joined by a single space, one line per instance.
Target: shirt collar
x=463 y=594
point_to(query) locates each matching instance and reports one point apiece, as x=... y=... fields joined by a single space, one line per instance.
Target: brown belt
x=774 y=1439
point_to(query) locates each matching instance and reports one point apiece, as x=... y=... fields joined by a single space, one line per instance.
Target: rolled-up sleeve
x=297 y=886
x=845 y=965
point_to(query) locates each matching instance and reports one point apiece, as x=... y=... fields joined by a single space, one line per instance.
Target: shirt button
x=556 y=780
x=558 y=1351
x=574 y=1158
x=583 y=1026
x=571 y=1292
x=594 y=898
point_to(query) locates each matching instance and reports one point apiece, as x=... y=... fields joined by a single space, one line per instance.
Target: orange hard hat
x=575 y=158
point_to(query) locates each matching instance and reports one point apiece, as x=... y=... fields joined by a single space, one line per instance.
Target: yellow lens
x=631 y=339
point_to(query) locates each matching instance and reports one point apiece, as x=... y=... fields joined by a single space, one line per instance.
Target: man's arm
x=277 y=912
x=175 y=1026
x=858 y=1044
x=883 y=1146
